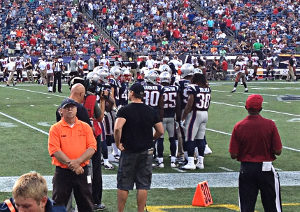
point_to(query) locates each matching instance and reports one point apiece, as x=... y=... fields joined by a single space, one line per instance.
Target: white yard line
x=21 y=122
x=271 y=111
x=225 y=133
x=174 y=180
x=39 y=92
x=226 y=169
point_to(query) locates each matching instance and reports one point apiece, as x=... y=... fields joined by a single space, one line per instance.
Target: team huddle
x=181 y=101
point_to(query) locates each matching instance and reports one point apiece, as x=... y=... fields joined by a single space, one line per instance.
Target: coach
x=254 y=142
x=134 y=137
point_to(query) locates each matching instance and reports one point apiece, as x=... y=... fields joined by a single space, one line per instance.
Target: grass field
x=27 y=111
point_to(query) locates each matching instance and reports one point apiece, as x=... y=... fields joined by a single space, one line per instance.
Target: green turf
x=165 y=197
x=25 y=149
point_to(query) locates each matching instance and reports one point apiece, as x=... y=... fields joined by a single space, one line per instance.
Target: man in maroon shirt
x=254 y=142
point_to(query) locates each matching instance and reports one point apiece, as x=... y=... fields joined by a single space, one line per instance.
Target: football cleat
x=246 y=90
x=234 y=90
x=173 y=165
x=200 y=165
x=189 y=166
x=158 y=165
x=108 y=166
x=207 y=150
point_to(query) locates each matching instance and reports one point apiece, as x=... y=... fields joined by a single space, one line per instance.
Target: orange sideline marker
x=202 y=196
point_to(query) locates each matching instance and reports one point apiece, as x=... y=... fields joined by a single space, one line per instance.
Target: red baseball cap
x=254 y=102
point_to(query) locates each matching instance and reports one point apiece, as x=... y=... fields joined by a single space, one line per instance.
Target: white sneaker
x=189 y=166
x=108 y=166
x=173 y=165
x=207 y=150
x=200 y=165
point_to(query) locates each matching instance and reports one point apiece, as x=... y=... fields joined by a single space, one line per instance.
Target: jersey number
x=204 y=100
x=151 y=98
x=169 y=100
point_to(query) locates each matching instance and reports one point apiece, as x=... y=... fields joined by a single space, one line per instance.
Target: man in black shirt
x=77 y=94
x=134 y=137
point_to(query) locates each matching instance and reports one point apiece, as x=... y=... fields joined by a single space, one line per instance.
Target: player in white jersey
x=270 y=67
x=4 y=62
x=19 y=68
x=194 y=119
x=42 y=69
x=50 y=74
x=10 y=69
x=241 y=69
x=255 y=63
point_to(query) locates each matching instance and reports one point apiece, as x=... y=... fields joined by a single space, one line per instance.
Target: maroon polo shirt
x=254 y=139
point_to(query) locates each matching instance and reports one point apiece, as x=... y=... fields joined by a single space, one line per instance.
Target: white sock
x=173 y=159
x=160 y=160
x=105 y=161
x=185 y=155
x=191 y=160
x=200 y=159
x=196 y=152
x=109 y=149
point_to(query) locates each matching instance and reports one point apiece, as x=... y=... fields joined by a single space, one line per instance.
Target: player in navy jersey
x=153 y=92
x=171 y=106
x=195 y=117
x=187 y=72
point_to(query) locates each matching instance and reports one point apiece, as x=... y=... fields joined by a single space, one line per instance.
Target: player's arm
x=159 y=130
x=178 y=108
x=161 y=106
x=189 y=106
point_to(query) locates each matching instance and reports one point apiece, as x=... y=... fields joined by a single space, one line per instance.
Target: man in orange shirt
x=71 y=144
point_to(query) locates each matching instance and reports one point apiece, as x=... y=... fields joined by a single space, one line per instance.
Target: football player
x=107 y=123
x=4 y=62
x=270 y=67
x=241 y=69
x=186 y=74
x=50 y=74
x=10 y=69
x=19 y=68
x=255 y=63
x=194 y=119
x=171 y=106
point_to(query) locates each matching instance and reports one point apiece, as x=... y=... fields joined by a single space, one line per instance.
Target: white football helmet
x=186 y=70
x=126 y=75
x=151 y=76
x=102 y=73
x=198 y=70
x=165 y=67
x=93 y=76
x=165 y=77
x=116 y=72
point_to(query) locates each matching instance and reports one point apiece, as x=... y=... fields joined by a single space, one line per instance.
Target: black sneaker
x=99 y=207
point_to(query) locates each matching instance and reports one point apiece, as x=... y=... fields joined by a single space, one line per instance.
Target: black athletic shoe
x=99 y=207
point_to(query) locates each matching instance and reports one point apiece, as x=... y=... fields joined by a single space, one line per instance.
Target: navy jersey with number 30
x=152 y=95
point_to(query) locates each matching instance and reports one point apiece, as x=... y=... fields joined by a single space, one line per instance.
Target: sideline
x=175 y=180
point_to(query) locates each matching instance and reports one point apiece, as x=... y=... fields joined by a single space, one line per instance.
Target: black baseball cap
x=138 y=89
x=66 y=102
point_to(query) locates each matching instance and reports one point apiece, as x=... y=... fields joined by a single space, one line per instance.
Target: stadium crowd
x=170 y=27
x=48 y=28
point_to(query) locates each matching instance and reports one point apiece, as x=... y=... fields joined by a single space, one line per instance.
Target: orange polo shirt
x=72 y=141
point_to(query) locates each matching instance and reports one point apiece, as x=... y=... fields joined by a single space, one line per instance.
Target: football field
x=27 y=111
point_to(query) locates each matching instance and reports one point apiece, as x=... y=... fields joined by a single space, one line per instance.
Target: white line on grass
x=225 y=133
x=51 y=94
x=226 y=169
x=245 y=93
x=21 y=122
x=271 y=111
